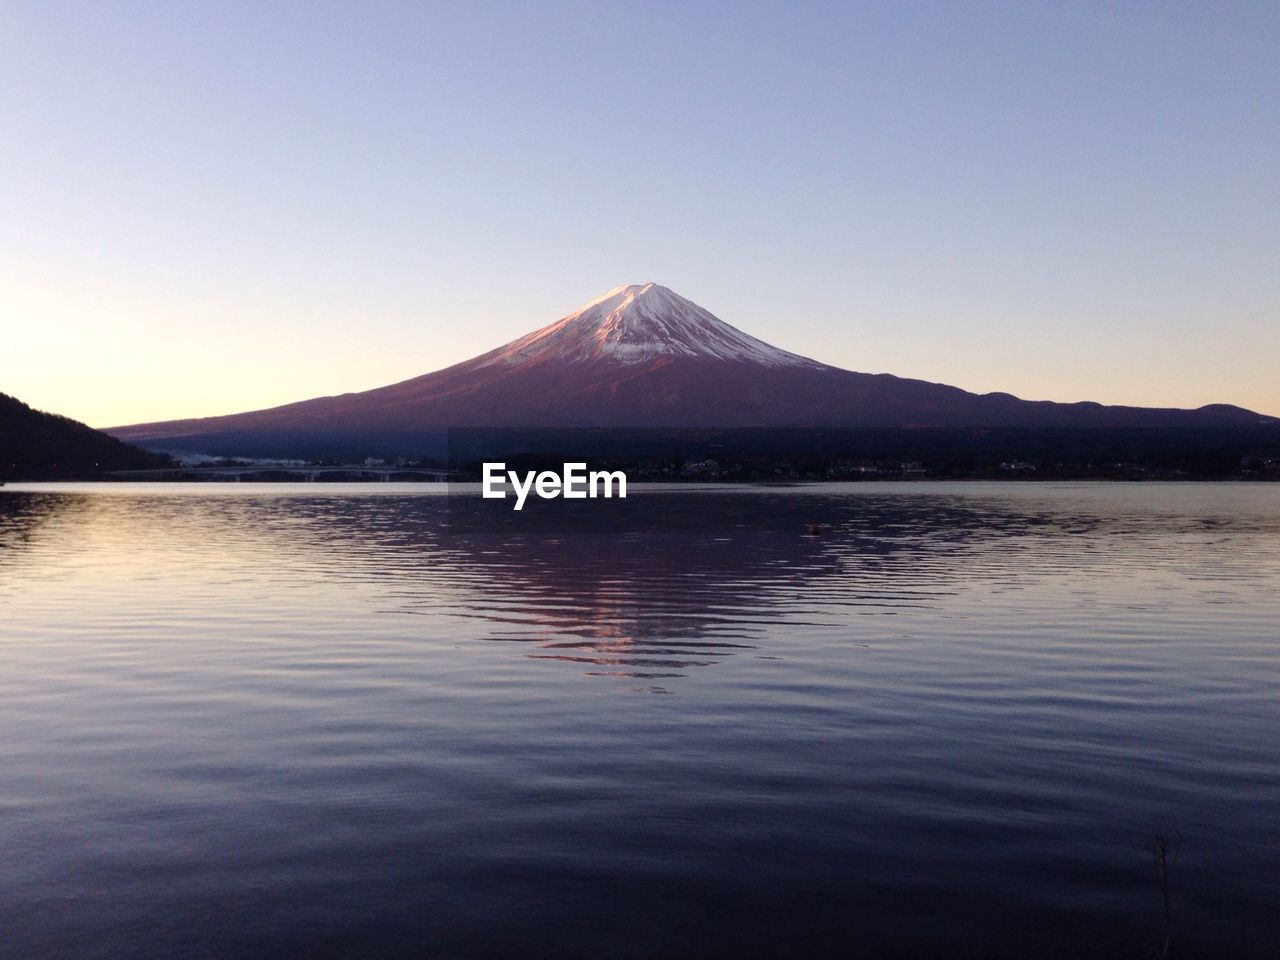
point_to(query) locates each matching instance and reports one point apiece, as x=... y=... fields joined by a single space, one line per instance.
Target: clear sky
x=208 y=208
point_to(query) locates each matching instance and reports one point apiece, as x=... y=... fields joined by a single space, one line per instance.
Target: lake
x=320 y=720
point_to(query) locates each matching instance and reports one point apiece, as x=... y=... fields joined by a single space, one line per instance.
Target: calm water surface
x=314 y=721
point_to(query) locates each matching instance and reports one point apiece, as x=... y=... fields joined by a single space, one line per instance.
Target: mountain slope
x=45 y=446
x=642 y=356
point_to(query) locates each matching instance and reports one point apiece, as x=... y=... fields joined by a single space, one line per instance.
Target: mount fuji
x=641 y=356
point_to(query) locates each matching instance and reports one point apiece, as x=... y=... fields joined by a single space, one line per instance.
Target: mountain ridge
x=35 y=445
x=643 y=356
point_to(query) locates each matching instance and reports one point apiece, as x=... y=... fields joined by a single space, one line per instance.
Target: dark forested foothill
x=44 y=446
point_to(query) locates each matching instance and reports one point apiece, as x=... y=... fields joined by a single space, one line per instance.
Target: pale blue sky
x=207 y=208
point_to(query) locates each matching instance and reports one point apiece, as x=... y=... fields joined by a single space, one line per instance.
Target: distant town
x=704 y=470
x=40 y=446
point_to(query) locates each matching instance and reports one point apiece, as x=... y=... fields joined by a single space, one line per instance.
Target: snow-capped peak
x=639 y=322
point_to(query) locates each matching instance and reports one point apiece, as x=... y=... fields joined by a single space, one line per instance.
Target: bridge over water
x=307 y=474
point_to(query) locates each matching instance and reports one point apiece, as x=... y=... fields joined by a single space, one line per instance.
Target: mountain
x=45 y=446
x=640 y=356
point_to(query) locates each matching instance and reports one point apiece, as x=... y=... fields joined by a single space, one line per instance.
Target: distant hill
x=44 y=446
x=640 y=356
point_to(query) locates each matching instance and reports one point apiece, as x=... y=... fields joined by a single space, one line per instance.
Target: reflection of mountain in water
x=685 y=579
x=678 y=580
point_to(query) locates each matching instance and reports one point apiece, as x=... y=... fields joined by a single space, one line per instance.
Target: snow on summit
x=641 y=322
